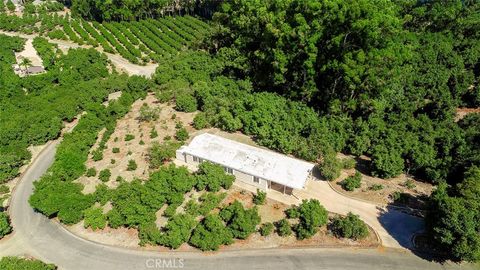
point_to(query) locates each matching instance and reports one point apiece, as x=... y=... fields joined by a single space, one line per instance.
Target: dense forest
x=381 y=78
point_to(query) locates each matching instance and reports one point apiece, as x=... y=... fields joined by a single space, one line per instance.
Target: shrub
x=97 y=155
x=260 y=198
x=177 y=230
x=115 y=150
x=200 y=121
x=348 y=163
x=153 y=133
x=129 y=137
x=4 y=189
x=409 y=184
x=352 y=182
x=94 y=218
x=112 y=161
x=330 y=166
x=132 y=165
x=266 y=229
x=104 y=175
x=312 y=216
x=210 y=234
x=161 y=153
x=212 y=177
x=171 y=210
x=5 y=227
x=91 y=172
x=15 y=263
x=186 y=103
x=376 y=187
x=350 y=226
x=141 y=142
x=148 y=114
x=283 y=228
x=292 y=212
x=181 y=134
x=240 y=221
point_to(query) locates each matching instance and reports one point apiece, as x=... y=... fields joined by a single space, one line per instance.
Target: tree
x=26 y=63
x=132 y=165
x=178 y=230
x=212 y=177
x=350 y=226
x=186 y=103
x=311 y=216
x=260 y=197
x=352 y=182
x=10 y=6
x=240 y=221
x=104 y=175
x=94 y=218
x=210 y=234
x=158 y=154
x=5 y=227
x=266 y=229
x=181 y=134
x=283 y=228
x=15 y=263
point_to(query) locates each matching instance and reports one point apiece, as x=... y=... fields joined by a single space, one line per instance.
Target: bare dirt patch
x=417 y=191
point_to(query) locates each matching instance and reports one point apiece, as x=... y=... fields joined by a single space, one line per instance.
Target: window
x=195 y=159
x=200 y=160
x=228 y=170
x=256 y=179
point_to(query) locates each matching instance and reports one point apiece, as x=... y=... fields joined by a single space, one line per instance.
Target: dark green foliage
x=181 y=134
x=94 y=218
x=260 y=197
x=177 y=230
x=292 y=212
x=16 y=263
x=115 y=150
x=207 y=202
x=161 y=153
x=311 y=216
x=129 y=137
x=330 y=166
x=153 y=133
x=104 y=175
x=352 y=182
x=4 y=189
x=376 y=187
x=91 y=172
x=10 y=5
x=240 y=221
x=283 y=227
x=266 y=229
x=148 y=114
x=350 y=226
x=200 y=121
x=185 y=103
x=5 y=227
x=212 y=177
x=97 y=155
x=46 y=50
x=132 y=165
x=210 y=234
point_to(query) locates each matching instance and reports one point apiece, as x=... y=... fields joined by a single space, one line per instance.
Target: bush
x=348 y=163
x=129 y=137
x=400 y=197
x=240 y=221
x=161 y=153
x=94 y=218
x=148 y=114
x=5 y=227
x=97 y=155
x=352 y=182
x=177 y=230
x=4 y=189
x=266 y=229
x=15 y=263
x=210 y=234
x=376 y=187
x=115 y=150
x=330 y=166
x=292 y=212
x=181 y=134
x=312 y=215
x=283 y=228
x=153 y=133
x=260 y=198
x=212 y=177
x=91 y=172
x=409 y=184
x=350 y=226
x=132 y=165
x=185 y=103
x=200 y=121
x=104 y=175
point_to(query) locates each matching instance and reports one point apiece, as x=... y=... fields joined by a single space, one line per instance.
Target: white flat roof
x=255 y=161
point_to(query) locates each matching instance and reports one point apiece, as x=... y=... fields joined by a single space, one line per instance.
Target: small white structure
x=252 y=165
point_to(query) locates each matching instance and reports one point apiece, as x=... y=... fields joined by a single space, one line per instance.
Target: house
x=33 y=70
x=258 y=167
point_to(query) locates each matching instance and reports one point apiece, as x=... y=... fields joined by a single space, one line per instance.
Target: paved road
x=42 y=238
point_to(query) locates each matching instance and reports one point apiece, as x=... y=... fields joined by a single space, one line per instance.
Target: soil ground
x=418 y=191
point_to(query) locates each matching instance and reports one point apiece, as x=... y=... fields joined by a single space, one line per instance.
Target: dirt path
x=119 y=62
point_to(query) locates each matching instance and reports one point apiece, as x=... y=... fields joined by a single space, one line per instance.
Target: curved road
x=42 y=238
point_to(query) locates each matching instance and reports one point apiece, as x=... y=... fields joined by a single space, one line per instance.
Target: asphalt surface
x=45 y=239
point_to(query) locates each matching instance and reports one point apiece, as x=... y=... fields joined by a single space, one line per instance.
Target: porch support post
x=284 y=189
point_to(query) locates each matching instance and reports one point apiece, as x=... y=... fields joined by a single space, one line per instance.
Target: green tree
x=5 y=227
x=185 y=103
x=104 y=175
x=178 y=230
x=240 y=221
x=260 y=197
x=311 y=216
x=181 y=134
x=283 y=228
x=352 y=182
x=94 y=218
x=210 y=234
x=212 y=177
x=350 y=226
x=15 y=263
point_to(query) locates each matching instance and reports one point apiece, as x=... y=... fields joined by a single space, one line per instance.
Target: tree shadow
x=404 y=228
